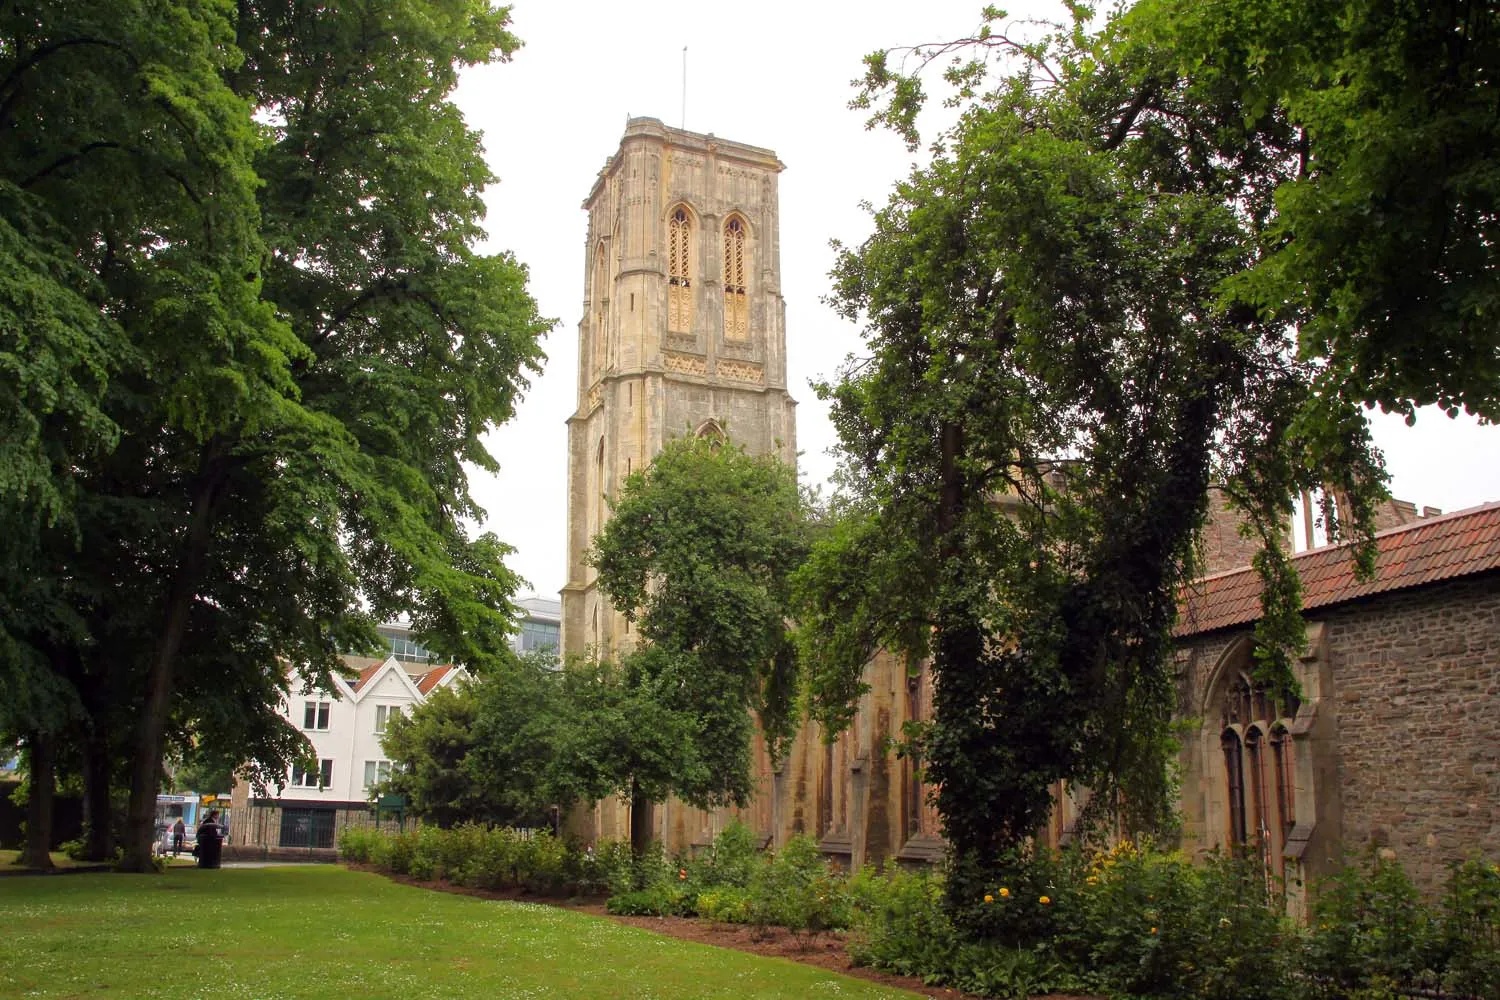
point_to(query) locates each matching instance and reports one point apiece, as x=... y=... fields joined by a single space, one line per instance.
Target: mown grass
x=320 y=931
x=59 y=859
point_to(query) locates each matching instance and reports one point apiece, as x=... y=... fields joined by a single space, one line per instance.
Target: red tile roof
x=1425 y=551
x=366 y=674
x=429 y=680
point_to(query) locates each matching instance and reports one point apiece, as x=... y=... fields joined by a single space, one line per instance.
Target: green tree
x=306 y=351
x=429 y=749
x=528 y=735
x=698 y=553
x=1058 y=366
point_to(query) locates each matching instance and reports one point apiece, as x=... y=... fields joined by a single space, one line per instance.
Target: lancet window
x=736 y=288
x=1256 y=741
x=601 y=317
x=679 y=271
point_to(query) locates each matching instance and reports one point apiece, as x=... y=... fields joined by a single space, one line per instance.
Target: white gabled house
x=344 y=726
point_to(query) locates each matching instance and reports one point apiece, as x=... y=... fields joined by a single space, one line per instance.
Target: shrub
x=394 y=852
x=799 y=890
x=540 y=863
x=995 y=970
x=733 y=860
x=657 y=901
x=608 y=868
x=1471 y=929
x=727 y=904
x=426 y=853
x=899 y=923
x=356 y=843
x=1371 y=934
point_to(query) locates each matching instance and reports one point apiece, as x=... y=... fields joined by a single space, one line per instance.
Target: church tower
x=683 y=331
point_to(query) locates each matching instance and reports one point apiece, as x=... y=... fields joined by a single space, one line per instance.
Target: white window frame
x=379 y=770
x=321 y=777
x=384 y=714
x=320 y=711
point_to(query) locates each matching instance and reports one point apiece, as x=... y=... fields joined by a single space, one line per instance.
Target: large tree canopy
x=1107 y=291
x=276 y=352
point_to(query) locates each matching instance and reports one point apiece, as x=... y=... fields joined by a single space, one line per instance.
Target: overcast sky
x=773 y=74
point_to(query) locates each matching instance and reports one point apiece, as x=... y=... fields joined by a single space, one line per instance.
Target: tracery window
x=601 y=317
x=679 y=271
x=736 y=289
x=1262 y=799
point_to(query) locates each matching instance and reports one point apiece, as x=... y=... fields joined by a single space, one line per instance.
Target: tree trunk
x=41 y=782
x=98 y=818
x=640 y=820
x=145 y=767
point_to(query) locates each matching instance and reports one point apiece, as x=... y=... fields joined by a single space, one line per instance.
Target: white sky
x=773 y=74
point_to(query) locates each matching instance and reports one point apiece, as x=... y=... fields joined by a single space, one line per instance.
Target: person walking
x=179 y=836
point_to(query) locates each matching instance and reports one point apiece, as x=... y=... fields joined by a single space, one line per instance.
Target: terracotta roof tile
x=366 y=674
x=429 y=680
x=1425 y=551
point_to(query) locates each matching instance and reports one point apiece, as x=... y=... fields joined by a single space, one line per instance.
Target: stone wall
x=1396 y=736
x=1417 y=685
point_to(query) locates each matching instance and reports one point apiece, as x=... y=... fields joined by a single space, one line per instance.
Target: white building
x=344 y=726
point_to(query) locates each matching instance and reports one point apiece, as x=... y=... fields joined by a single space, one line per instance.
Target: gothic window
x=1234 y=766
x=601 y=317
x=736 y=288
x=1257 y=747
x=679 y=271
x=1281 y=764
x=712 y=430
x=599 y=489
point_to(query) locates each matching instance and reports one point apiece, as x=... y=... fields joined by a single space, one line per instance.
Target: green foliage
x=1471 y=929
x=430 y=746
x=733 y=860
x=799 y=889
x=1059 y=362
x=900 y=924
x=357 y=843
x=1371 y=932
x=697 y=552
x=259 y=353
x=656 y=901
x=726 y=904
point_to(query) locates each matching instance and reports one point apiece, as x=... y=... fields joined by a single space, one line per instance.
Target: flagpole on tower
x=684 y=88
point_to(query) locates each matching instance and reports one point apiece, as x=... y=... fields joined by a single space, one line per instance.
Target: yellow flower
x=1153 y=930
x=988 y=898
x=1004 y=892
x=1092 y=880
x=1044 y=900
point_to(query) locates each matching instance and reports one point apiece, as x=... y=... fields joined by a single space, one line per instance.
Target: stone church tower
x=683 y=330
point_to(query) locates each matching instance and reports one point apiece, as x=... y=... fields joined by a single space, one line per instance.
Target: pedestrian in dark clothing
x=210 y=842
x=179 y=836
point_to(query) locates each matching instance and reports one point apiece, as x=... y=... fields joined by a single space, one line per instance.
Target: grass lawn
x=59 y=859
x=321 y=931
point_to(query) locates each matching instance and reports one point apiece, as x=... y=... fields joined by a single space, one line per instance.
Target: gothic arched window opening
x=736 y=287
x=1256 y=741
x=679 y=271
x=601 y=317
